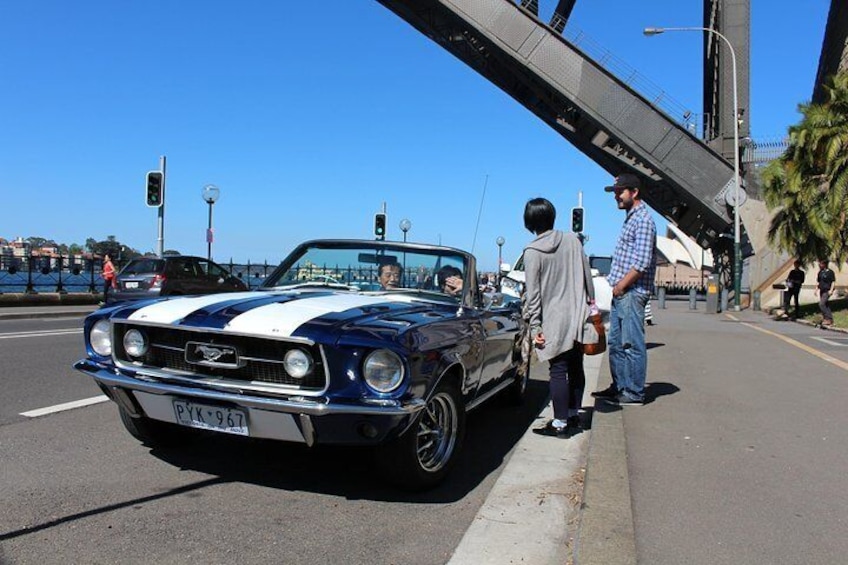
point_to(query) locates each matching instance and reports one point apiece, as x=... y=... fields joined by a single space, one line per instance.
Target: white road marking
x=40 y=333
x=811 y=350
x=829 y=341
x=66 y=406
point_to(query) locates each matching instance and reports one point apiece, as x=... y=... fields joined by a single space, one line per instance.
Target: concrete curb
x=530 y=515
x=22 y=299
x=606 y=535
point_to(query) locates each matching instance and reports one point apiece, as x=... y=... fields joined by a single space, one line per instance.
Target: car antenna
x=479 y=213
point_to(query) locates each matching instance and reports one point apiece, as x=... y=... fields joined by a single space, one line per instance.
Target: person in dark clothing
x=793 y=288
x=824 y=286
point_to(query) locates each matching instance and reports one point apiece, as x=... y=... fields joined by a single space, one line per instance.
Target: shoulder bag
x=594 y=335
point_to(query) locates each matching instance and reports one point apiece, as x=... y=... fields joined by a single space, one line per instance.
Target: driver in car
x=390 y=275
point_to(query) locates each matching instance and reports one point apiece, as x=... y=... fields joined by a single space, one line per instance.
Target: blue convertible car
x=346 y=342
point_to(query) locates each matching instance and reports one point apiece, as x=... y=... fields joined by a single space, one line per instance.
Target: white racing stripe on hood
x=281 y=320
x=171 y=311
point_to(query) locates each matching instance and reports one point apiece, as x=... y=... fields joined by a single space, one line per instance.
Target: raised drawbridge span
x=594 y=110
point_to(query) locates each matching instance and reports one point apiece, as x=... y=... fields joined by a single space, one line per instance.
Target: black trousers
x=568 y=380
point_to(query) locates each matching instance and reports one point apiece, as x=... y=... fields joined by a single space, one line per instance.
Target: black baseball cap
x=625 y=180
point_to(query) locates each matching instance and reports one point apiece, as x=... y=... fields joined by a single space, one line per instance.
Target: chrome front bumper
x=145 y=391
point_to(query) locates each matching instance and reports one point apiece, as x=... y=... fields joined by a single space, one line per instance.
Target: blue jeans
x=628 y=357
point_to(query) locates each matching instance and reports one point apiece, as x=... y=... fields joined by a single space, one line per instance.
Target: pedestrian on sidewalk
x=558 y=291
x=824 y=286
x=794 y=282
x=108 y=273
x=632 y=280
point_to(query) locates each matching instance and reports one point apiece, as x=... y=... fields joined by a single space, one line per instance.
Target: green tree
x=808 y=185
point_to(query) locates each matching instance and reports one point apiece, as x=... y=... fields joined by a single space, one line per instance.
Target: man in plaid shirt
x=632 y=280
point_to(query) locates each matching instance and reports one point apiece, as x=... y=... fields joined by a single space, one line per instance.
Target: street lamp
x=500 y=241
x=210 y=194
x=405 y=225
x=737 y=196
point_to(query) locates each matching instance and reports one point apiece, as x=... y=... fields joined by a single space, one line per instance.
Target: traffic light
x=380 y=225
x=155 y=192
x=577 y=220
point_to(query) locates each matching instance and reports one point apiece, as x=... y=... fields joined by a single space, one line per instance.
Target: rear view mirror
x=505 y=267
x=375 y=259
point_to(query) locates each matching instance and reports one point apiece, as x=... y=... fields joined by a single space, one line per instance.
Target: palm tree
x=808 y=185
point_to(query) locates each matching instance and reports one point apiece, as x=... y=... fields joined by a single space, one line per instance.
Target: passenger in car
x=390 y=275
x=450 y=280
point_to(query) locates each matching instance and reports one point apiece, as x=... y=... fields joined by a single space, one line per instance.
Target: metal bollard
x=724 y=294
x=757 y=300
x=693 y=303
x=661 y=297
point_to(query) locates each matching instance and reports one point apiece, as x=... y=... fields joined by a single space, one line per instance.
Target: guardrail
x=59 y=273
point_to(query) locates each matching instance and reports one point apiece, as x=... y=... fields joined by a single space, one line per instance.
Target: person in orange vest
x=108 y=274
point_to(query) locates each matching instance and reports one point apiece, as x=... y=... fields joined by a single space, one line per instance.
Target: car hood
x=316 y=315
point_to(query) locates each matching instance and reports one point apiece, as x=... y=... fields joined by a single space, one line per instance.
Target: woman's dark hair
x=445 y=272
x=539 y=215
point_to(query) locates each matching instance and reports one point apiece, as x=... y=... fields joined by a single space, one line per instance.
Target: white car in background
x=512 y=281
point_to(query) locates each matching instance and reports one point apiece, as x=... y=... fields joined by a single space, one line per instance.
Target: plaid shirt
x=636 y=249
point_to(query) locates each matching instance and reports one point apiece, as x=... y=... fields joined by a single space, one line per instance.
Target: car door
x=501 y=323
x=213 y=276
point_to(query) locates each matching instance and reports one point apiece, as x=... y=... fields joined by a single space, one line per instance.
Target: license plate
x=131 y=285
x=216 y=418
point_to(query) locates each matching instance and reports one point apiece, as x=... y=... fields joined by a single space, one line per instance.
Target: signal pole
x=161 y=220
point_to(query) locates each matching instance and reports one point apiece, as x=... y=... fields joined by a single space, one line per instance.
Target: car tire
x=422 y=457
x=154 y=433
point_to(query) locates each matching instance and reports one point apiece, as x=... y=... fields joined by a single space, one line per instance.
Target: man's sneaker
x=553 y=431
x=609 y=392
x=623 y=400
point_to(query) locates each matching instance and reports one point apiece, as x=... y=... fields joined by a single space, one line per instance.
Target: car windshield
x=374 y=266
x=142 y=266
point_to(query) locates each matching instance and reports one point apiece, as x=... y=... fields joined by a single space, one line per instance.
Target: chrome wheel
x=437 y=432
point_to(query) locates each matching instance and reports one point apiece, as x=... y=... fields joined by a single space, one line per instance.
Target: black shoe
x=609 y=392
x=573 y=422
x=623 y=400
x=552 y=431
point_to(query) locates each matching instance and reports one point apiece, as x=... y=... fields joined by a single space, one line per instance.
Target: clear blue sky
x=310 y=115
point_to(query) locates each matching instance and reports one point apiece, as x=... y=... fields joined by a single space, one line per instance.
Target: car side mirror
x=505 y=268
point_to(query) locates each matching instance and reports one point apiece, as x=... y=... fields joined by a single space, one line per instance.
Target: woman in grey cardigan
x=558 y=291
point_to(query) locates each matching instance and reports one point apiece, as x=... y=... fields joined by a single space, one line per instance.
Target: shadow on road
x=656 y=390
x=492 y=431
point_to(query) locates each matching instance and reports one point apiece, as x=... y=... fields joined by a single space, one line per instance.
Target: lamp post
x=210 y=194
x=737 y=196
x=405 y=225
x=500 y=241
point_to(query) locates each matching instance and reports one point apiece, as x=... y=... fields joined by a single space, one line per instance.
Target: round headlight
x=383 y=370
x=100 y=338
x=298 y=363
x=135 y=343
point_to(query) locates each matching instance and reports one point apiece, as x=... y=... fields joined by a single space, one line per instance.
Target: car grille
x=260 y=360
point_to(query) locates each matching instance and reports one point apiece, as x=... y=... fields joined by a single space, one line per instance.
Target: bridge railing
x=69 y=273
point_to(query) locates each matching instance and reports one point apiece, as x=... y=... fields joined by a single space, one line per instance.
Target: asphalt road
x=740 y=455
x=76 y=488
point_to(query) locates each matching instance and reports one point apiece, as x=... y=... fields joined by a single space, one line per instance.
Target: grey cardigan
x=558 y=288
